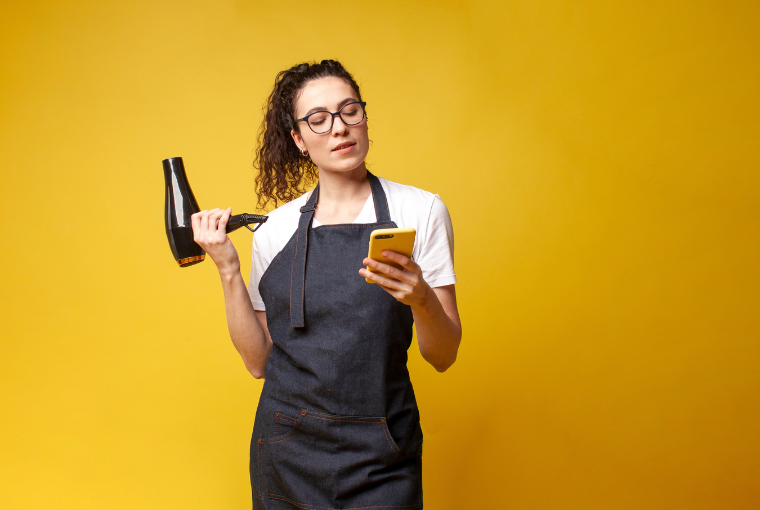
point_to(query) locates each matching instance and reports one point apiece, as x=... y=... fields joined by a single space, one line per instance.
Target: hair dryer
x=180 y=205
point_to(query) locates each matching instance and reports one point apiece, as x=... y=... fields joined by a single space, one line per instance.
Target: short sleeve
x=436 y=254
x=258 y=266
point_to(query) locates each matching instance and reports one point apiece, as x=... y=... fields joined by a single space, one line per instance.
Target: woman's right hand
x=209 y=232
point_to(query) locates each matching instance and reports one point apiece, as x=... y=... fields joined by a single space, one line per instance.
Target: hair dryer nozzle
x=180 y=205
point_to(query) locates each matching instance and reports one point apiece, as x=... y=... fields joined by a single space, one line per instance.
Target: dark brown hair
x=284 y=173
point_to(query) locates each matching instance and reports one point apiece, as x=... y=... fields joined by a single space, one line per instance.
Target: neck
x=342 y=195
x=343 y=187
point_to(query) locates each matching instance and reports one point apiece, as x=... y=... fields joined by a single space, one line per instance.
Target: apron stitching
x=292 y=268
x=376 y=419
x=354 y=225
x=287 y=434
x=369 y=420
x=391 y=443
x=309 y=506
x=261 y=490
x=302 y=303
x=353 y=419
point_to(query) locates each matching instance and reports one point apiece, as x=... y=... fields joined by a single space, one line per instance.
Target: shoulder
x=285 y=215
x=279 y=228
x=289 y=210
x=413 y=206
x=404 y=192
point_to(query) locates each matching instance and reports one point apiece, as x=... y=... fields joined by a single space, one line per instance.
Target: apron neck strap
x=382 y=213
x=297 y=275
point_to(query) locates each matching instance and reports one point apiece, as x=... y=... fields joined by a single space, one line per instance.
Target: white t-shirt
x=409 y=207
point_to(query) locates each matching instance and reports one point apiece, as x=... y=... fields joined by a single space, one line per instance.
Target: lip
x=344 y=148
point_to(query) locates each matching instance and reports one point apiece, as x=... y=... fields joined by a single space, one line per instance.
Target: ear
x=297 y=138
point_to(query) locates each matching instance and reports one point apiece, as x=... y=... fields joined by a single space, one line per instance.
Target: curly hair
x=284 y=173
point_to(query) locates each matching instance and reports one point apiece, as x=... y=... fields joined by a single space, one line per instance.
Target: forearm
x=438 y=334
x=247 y=334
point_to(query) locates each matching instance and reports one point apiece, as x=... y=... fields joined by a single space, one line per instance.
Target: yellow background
x=600 y=163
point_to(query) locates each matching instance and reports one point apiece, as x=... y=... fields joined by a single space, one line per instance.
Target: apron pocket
x=283 y=426
x=335 y=461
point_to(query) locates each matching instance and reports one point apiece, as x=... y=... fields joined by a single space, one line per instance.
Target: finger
x=374 y=277
x=224 y=219
x=405 y=262
x=213 y=217
x=393 y=272
x=216 y=220
x=195 y=221
x=393 y=292
x=383 y=280
x=204 y=225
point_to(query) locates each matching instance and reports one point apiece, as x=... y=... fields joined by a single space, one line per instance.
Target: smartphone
x=400 y=240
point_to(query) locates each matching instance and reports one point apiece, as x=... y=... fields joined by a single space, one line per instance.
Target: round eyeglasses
x=322 y=121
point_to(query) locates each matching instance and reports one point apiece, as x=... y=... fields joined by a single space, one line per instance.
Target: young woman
x=337 y=424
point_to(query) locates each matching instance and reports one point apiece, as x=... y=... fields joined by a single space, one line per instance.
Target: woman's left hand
x=406 y=284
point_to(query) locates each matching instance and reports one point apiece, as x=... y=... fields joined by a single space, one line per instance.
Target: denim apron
x=337 y=426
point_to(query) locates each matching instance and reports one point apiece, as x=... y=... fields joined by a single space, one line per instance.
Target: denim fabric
x=337 y=425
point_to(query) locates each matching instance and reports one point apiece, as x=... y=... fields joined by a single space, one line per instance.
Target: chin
x=346 y=165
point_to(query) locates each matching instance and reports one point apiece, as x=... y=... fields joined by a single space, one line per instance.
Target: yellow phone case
x=400 y=240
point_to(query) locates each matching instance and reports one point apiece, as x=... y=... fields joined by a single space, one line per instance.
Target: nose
x=339 y=127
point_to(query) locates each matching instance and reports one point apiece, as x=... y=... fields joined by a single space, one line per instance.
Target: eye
x=318 y=118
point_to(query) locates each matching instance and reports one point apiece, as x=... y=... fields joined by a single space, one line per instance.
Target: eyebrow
x=323 y=108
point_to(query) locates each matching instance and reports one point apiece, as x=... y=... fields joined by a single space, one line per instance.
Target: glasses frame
x=333 y=115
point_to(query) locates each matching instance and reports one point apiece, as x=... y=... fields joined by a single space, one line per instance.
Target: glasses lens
x=320 y=122
x=352 y=113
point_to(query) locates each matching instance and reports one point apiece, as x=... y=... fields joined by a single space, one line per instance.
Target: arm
x=436 y=317
x=247 y=327
x=439 y=330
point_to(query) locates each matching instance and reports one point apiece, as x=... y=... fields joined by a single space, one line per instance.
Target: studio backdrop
x=599 y=161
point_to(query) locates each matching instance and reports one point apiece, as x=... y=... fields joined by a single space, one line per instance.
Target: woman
x=337 y=424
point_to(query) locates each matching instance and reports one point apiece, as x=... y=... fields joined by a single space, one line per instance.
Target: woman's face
x=344 y=147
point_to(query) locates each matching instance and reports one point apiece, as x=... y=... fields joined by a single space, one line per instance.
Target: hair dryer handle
x=243 y=220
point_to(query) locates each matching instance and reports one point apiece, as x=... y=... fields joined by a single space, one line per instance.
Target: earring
x=304 y=152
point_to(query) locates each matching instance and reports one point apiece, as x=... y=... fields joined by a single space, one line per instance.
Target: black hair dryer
x=180 y=205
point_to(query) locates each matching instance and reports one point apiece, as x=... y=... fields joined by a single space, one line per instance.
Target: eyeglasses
x=321 y=122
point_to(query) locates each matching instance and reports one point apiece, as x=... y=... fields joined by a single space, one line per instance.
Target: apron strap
x=298 y=273
x=382 y=213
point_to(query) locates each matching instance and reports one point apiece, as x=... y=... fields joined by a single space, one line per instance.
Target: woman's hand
x=209 y=231
x=406 y=284
x=436 y=317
